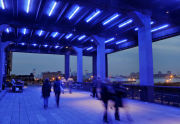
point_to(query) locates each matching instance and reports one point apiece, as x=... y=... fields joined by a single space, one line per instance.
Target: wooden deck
x=77 y=108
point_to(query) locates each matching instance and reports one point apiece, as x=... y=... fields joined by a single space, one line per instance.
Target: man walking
x=57 y=90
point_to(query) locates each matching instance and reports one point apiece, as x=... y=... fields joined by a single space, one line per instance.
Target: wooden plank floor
x=77 y=108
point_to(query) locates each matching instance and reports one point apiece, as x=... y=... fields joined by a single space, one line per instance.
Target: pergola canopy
x=56 y=26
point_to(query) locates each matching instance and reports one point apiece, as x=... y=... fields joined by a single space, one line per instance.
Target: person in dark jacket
x=57 y=90
x=46 y=89
x=114 y=93
x=94 y=87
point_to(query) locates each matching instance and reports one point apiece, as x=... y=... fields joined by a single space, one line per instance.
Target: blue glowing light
x=68 y=36
x=45 y=45
x=7 y=30
x=125 y=23
x=136 y=29
x=152 y=22
x=93 y=15
x=110 y=19
x=40 y=32
x=90 y=48
x=28 y=6
x=74 y=12
x=2 y=4
x=92 y=40
x=52 y=8
x=22 y=44
x=56 y=47
x=54 y=34
x=159 y=28
x=82 y=37
x=109 y=40
x=121 y=41
x=34 y=44
x=24 y=31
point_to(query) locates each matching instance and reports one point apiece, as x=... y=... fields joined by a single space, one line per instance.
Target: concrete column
x=67 y=65
x=106 y=59
x=3 y=60
x=1 y=64
x=101 y=62
x=79 y=64
x=2 y=46
x=94 y=67
x=145 y=57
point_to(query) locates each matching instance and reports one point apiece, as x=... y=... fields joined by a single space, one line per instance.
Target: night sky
x=166 y=56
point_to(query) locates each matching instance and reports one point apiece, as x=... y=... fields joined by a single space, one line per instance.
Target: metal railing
x=167 y=95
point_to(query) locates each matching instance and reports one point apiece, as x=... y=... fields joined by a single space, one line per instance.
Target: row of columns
x=100 y=60
x=100 y=64
x=79 y=52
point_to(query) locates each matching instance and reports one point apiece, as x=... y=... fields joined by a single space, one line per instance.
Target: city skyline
x=165 y=55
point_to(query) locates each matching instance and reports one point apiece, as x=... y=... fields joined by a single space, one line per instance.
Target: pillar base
x=147 y=93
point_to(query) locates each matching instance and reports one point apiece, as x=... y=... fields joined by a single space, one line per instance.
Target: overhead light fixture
x=81 y=37
x=90 y=48
x=109 y=40
x=152 y=22
x=93 y=15
x=34 y=44
x=125 y=23
x=28 y=6
x=7 y=30
x=24 y=31
x=52 y=8
x=121 y=41
x=159 y=28
x=56 y=47
x=73 y=12
x=2 y=4
x=54 y=34
x=40 y=32
x=136 y=29
x=22 y=44
x=68 y=36
x=45 y=45
x=110 y=19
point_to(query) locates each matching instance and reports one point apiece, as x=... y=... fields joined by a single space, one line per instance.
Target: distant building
x=26 y=78
x=51 y=75
x=134 y=75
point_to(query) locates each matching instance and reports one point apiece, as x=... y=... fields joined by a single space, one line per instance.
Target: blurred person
x=57 y=90
x=112 y=92
x=94 y=87
x=69 y=82
x=46 y=89
x=64 y=82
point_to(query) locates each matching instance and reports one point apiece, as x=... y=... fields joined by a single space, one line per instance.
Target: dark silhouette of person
x=57 y=90
x=114 y=93
x=94 y=86
x=46 y=89
x=69 y=82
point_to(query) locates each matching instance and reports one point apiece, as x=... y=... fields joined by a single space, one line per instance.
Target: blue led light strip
x=75 y=11
x=52 y=9
x=93 y=15
x=113 y=17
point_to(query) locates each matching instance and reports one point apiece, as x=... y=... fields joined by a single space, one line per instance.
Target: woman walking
x=46 y=89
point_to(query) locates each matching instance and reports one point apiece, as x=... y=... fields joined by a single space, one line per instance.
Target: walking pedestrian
x=94 y=87
x=57 y=90
x=46 y=89
x=69 y=82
